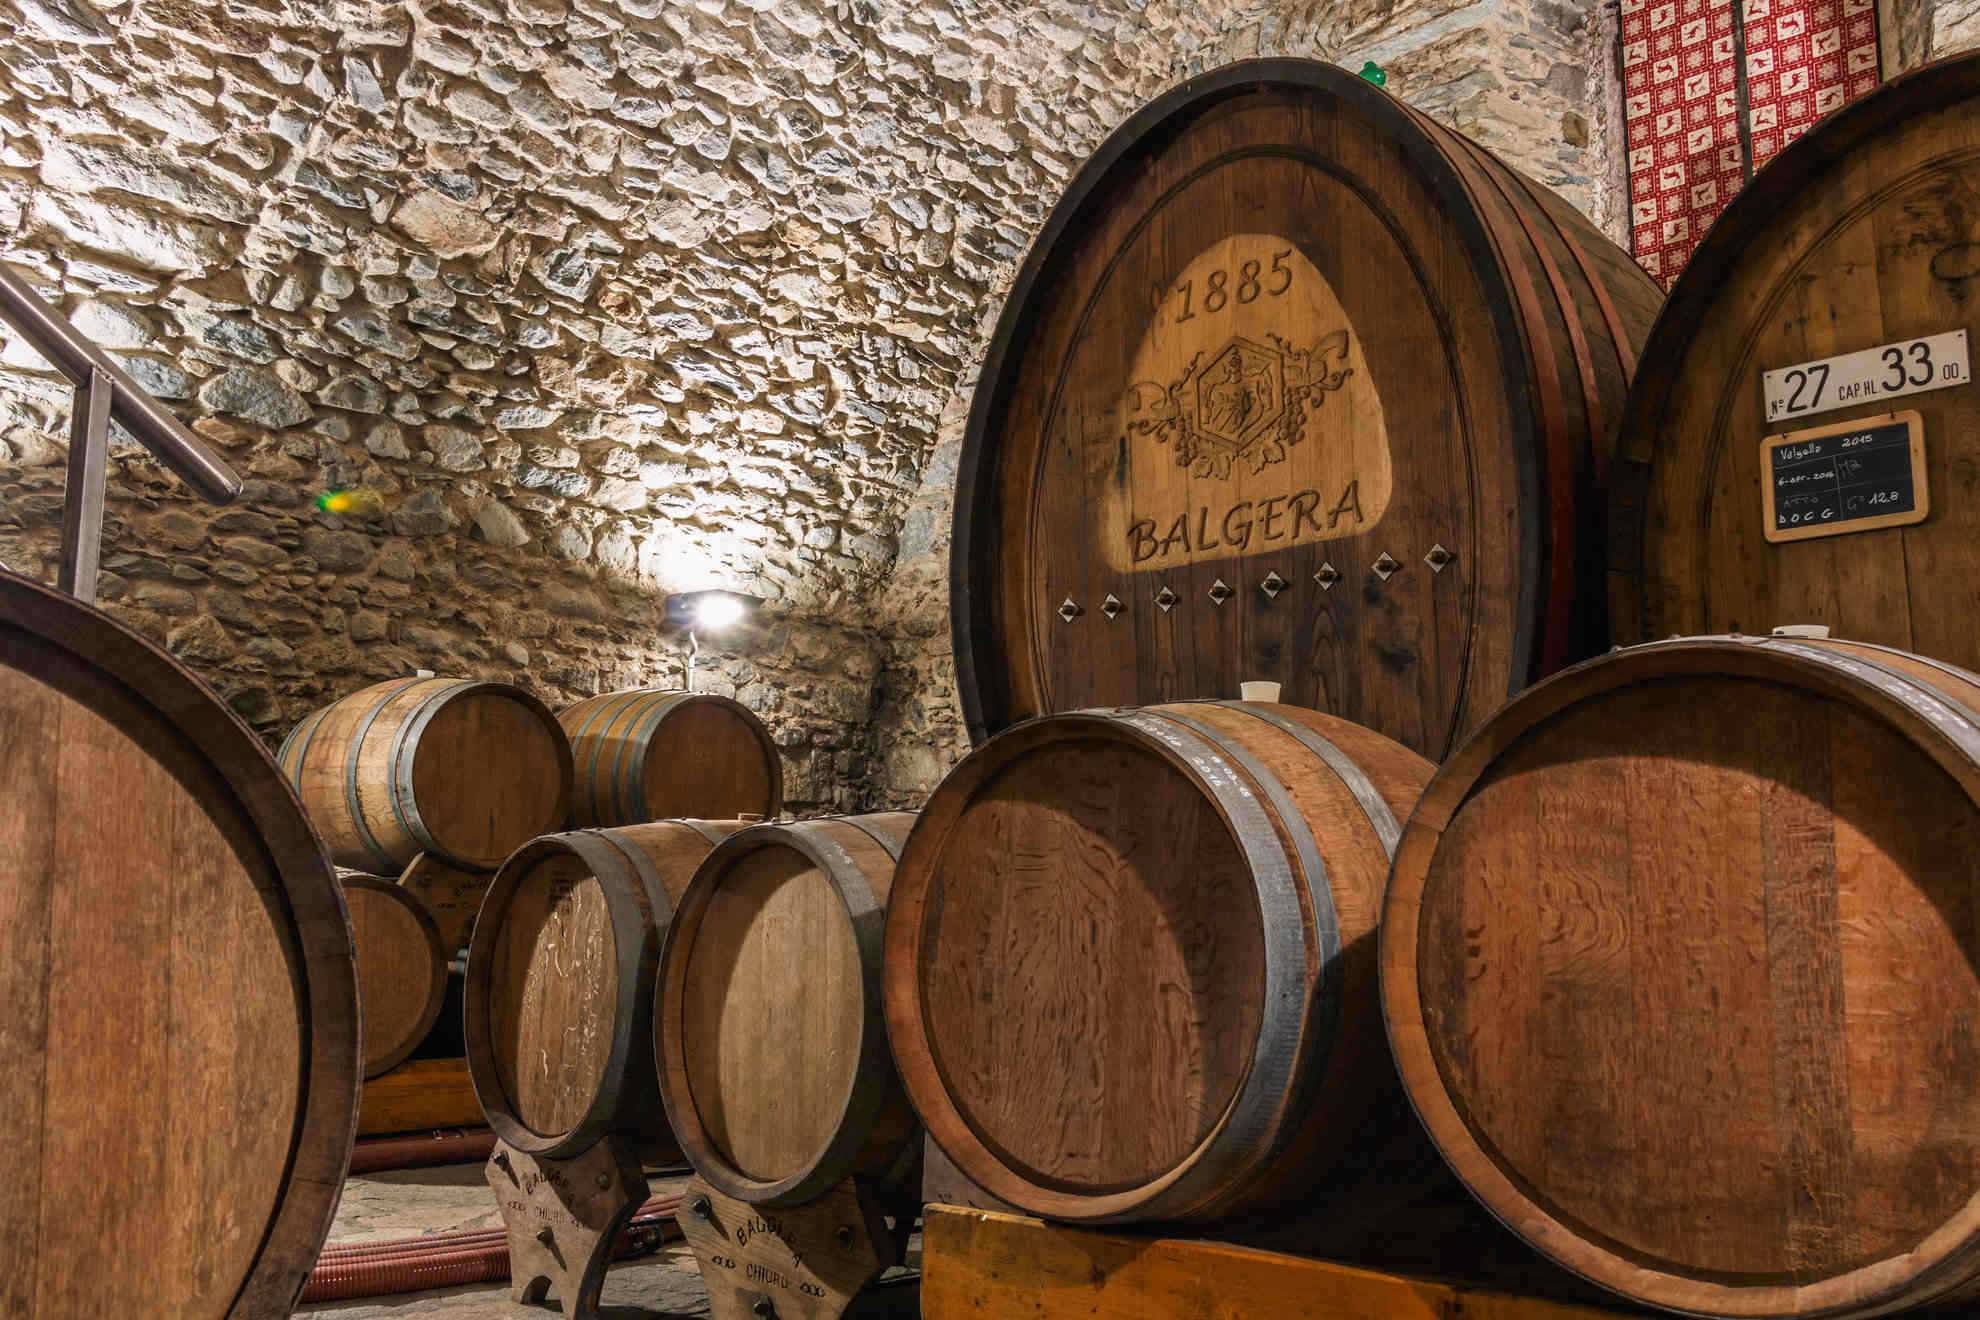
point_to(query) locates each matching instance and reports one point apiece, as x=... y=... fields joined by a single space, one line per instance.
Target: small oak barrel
x=1861 y=237
x=559 y=993
x=452 y=896
x=1295 y=385
x=1130 y=962
x=178 y=1002
x=771 y=1050
x=1681 y=966
x=462 y=769
x=402 y=969
x=657 y=754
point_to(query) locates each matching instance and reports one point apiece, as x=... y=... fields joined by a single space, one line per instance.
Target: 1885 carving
x=1245 y=422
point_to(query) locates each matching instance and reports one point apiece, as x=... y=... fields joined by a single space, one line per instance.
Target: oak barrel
x=1679 y=963
x=559 y=993
x=656 y=754
x=451 y=894
x=768 y=1036
x=1862 y=237
x=1130 y=959
x=402 y=969
x=1295 y=385
x=466 y=770
x=180 y=1003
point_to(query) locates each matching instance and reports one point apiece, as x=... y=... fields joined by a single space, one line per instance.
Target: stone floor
x=415 y=1202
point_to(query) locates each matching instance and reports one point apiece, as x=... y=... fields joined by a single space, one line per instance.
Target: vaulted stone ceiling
x=595 y=300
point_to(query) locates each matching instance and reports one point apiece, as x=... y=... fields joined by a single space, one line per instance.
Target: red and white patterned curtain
x=1713 y=90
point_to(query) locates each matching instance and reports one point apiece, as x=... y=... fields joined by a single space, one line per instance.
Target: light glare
x=715 y=612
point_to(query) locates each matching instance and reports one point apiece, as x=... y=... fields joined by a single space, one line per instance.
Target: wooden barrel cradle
x=559 y=993
x=465 y=770
x=1295 y=385
x=451 y=895
x=1862 y=237
x=180 y=1003
x=654 y=754
x=402 y=969
x=1130 y=962
x=1681 y=965
x=768 y=1036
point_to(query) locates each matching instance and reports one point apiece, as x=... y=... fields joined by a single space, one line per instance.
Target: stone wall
x=591 y=301
x=1915 y=31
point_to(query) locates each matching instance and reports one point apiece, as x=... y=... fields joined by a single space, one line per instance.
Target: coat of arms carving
x=1249 y=400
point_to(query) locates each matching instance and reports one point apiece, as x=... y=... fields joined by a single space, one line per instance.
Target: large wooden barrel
x=178 y=1002
x=1295 y=385
x=1130 y=962
x=466 y=770
x=1681 y=965
x=402 y=969
x=768 y=1036
x=1861 y=238
x=559 y=993
x=656 y=754
x=452 y=896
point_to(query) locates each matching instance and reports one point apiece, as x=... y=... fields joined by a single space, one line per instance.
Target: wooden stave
x=1941 y=716
x=1802 y=163
x=876 y=1130
x=385 y=846
x=300 y=1220
x=587 y=809
x=638 y=901
x=425 y=875
x=1269 y=1141
x=618 y=797
x=1567 y=627
x=391 y=892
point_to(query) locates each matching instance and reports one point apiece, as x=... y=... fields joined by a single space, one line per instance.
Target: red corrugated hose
x=448 y=1260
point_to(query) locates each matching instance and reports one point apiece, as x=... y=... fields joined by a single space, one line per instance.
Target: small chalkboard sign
x=1847 y=477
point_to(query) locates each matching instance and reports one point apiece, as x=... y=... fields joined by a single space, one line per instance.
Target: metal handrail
x=104 y=391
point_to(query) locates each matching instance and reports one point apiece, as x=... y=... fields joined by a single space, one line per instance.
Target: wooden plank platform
x=981 y=1265
x=418 y=1097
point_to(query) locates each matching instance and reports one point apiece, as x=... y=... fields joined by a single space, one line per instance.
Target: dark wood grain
x=1679 y=961
x=452 y=896
x=402 y=969
x=1279 y=322
x=181 y=1020
x=558 y=999
x=658 y=754
x=768 y=1037
x=1170 y=914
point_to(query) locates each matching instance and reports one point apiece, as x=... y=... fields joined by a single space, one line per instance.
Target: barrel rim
x=1193 y=1180
x=325 y=1121
x=405 y=751
x=981 y=686
x=1911 y=1277
x=613 y=875
x=873 y=1079
x=436 y=997
x=1753 y=213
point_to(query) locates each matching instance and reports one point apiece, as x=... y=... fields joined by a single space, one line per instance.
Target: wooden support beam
x=981 y=1265
x=418 y=1097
